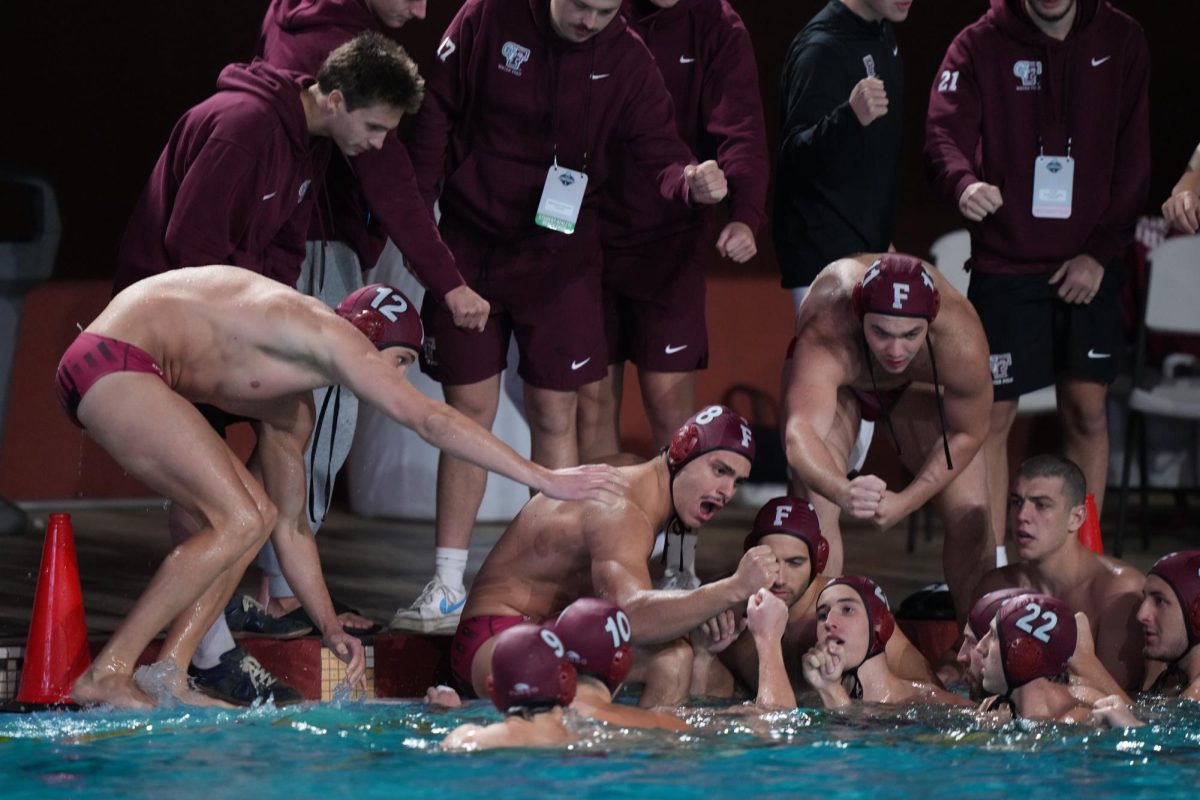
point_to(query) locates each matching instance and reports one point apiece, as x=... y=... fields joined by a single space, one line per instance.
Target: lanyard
x=587 y=104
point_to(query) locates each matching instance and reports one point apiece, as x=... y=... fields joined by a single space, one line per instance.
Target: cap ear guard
x=682 y=444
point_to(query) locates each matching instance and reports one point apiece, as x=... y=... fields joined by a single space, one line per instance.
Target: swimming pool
x=388 y=750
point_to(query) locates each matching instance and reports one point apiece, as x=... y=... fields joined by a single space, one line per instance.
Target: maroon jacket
x=706 y=58
x=505 y=91
x=299 y=35
x=235 y=184
x=989 y=105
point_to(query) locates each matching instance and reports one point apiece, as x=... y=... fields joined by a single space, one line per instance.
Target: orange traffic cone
x=1089 y=531
x=56 y=652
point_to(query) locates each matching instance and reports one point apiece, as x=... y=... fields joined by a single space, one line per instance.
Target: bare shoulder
x=1120 y=578
x=1012 y=575
x=463 y=738
x=928 y=693
x=613 y=528
x=961 y=343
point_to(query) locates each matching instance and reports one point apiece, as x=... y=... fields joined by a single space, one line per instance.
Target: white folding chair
x=1171 y=305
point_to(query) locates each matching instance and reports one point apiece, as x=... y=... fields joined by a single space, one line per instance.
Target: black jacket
x=835 y=187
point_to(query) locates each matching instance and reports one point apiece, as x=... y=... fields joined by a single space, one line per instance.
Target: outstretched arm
x=280 y=458
x=377 y=382
x=619 y=574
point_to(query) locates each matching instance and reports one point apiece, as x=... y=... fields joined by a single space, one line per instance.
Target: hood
x=644 y=10
x=541 y=18
x=840 y=22
x=1011 y=17
x=295 y=16
x=278 y=88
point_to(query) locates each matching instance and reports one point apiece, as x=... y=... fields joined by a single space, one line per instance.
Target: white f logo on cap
x=782 y=513
x=899 y=294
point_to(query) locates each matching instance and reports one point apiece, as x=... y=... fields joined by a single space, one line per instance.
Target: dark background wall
x=94 y=88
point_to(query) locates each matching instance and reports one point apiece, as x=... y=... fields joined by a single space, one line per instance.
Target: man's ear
x=1076 y=518
x=337 y=100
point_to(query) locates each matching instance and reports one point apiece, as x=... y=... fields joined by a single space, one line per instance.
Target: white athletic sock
x=688 y=557
x=1001 y=557
x=449 y=565
x=216 y=642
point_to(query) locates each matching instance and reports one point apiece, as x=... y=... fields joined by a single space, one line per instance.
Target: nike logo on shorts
x=269 y=195
x=1098 y=61
x=685 y=60
x=450 y=608
x=577 y=364
x=1094 y=354
x=669 y=350
x=596 y=76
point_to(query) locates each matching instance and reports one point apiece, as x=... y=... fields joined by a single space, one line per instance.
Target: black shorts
x=1034 y=337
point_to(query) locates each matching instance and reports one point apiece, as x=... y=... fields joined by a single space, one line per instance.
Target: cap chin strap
x=856 y=691
x=674 y=523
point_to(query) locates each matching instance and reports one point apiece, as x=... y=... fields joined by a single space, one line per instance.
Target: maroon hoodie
x=706 y=58
x=299 y=35
x=505 y=91
x=989 y=105
x=235 y=184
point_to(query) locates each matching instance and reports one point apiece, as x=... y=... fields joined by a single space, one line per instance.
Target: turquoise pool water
x=389 y=750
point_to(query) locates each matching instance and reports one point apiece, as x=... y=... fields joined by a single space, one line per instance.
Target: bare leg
x=670 y=398
x=995 y=456
x=963 y=508
x=163 y=441
x=552 y=438
x=1082 y=408
x=599 y=417
x=460 y=485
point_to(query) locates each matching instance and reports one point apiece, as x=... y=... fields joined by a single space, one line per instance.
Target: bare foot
x=115 y=689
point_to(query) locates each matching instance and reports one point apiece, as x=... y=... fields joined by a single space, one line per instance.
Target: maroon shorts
x=874 y=405
x=89 y=358
x=549 y=300
x=469 y=637
x=654 y=304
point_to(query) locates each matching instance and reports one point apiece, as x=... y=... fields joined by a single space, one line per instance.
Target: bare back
x=545 y=558
x=230 y=337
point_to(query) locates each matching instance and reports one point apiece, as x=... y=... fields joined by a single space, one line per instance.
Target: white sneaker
x=678 y=579
x=437 y=610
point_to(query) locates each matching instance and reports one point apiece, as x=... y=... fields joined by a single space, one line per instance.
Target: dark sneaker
x=248 y=617
x=240 y=679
